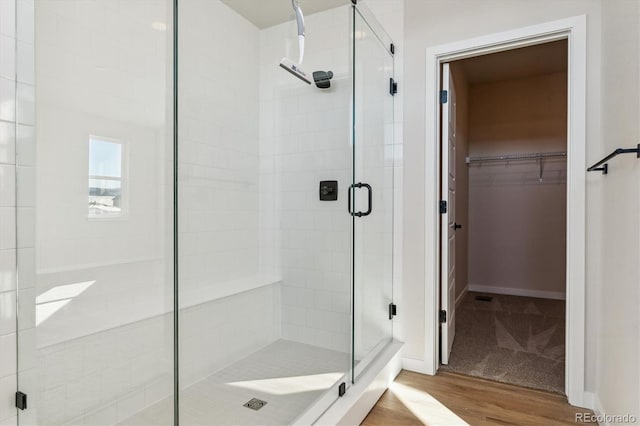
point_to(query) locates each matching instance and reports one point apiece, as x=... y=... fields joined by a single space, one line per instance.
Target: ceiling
x=523 y=62
x=267 y=13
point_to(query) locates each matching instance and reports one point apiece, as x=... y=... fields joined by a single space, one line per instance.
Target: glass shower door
x=372 y=190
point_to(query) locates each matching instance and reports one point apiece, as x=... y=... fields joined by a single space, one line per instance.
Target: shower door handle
x=370 y=196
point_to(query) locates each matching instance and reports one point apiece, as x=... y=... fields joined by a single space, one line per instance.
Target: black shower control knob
x=328 y=190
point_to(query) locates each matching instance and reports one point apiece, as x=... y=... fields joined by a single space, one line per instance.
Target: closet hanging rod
x=516 y=157
x=605 y=168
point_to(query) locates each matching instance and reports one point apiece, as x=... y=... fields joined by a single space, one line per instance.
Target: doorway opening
x=503 y=228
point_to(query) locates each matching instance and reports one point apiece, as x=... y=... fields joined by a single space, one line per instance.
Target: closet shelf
x=516 y=157
x=605 y=167
x=538 y=156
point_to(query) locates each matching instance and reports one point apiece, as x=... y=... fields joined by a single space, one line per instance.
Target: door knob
x=456 y=226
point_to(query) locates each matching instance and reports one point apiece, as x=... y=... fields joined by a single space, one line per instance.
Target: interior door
x=372 y=189
x=448 y=219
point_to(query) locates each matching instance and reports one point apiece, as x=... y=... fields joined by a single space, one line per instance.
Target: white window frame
x=124 y=199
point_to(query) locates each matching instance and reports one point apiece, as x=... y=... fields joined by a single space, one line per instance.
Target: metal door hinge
x=392 y=48
x=443 y=316
x=392 y=310
x=444 y=96
x=21 y=400
x=342 y=389
x=443 y=206
x=393 y=87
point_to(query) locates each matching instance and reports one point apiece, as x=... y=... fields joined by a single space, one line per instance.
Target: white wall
x=434 y=22
x=517 y=224
x=617 y=324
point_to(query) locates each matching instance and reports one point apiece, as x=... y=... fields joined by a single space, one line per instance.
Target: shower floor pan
x=285 y=376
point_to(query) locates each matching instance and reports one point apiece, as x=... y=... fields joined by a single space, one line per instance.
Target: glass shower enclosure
x=212 y=238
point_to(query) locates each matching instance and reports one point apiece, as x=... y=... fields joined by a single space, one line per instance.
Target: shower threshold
x=287 y=376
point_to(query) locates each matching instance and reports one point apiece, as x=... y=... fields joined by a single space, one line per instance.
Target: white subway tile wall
x=218 y=150
x=219 y=205
x=304 y=139
x=216 y=334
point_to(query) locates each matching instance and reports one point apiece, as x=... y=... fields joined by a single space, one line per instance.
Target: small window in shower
x=106 y=164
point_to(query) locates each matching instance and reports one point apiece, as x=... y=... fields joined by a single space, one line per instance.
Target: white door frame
x=574 y=31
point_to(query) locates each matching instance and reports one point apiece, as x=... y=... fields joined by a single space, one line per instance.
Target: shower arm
x=300 y=22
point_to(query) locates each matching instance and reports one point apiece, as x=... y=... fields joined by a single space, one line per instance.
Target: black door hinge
x=392 y=48
x=443 y=316
x=393 y=87
x=444 y=96
x=342 y=389
x=21 y=400
x=392 y=310
x=443 y=206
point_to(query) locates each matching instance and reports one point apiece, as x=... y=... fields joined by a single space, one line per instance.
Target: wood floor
x=453 y=399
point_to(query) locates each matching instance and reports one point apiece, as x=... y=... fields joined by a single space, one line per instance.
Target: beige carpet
x=510 y=339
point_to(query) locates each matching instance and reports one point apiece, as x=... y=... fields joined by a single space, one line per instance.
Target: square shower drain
x=255 y=404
